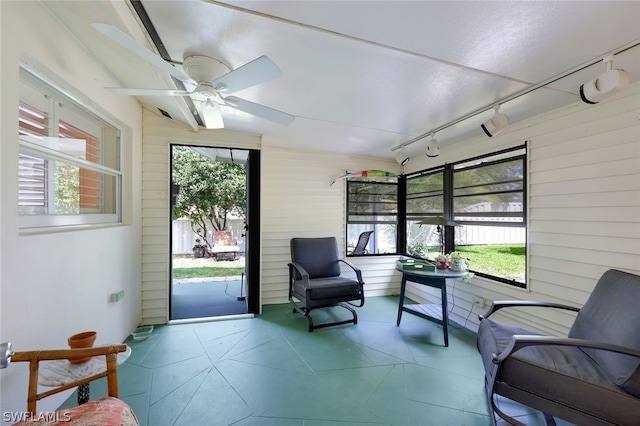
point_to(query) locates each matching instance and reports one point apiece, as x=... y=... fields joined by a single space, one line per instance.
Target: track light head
x=496 y=124
x=402 y=158
x=612 y=81
x=604 y=86
x=433 y=149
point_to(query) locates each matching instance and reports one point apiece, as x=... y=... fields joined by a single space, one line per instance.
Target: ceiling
x=238 y=156
x=363 y=77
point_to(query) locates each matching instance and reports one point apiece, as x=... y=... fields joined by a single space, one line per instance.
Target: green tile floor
x=270 y=371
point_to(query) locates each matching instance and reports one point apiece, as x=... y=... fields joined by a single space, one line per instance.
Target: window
x=489 y=202
x=372 y=206
x=69 y=161
x=425 y=198
x=485 y=198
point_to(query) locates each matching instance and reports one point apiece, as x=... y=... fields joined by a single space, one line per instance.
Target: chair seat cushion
x=563 y=374
x=224 y=249
x=329 y=288
x=107 y=411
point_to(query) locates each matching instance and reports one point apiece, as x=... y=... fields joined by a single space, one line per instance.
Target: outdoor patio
x=207 y=297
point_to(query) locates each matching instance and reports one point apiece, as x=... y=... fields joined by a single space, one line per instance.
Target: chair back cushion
x=612 y=315
x=318 y=256
x=222 y=238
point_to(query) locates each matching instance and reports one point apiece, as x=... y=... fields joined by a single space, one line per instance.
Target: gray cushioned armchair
x=591 y=377
x=316 y=280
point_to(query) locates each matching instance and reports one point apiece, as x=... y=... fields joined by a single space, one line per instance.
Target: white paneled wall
x=584 y=205
x=158 y=133
x=584 y=208
x=297 y=201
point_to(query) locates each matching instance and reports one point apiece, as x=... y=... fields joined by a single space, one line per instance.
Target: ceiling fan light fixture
x=211 y=115
x=401 y=157
x=496 y=124
x=433 y=148
x=209 y=77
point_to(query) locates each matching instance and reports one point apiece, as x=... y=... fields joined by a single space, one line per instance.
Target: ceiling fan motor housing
x=203 y=69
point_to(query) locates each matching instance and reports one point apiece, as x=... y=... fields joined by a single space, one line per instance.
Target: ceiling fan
x=212 y=79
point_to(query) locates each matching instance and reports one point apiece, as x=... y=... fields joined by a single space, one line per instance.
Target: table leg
x=445 y=316
x=83 y=393
x=403 y=286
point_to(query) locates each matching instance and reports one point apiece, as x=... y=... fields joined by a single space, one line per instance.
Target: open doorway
x=211 y=272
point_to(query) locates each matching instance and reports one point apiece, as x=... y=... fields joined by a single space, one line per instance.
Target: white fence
x=183 y=237
x=469 y=234
x=473 y=235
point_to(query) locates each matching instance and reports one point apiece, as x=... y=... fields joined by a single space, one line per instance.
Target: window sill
x=69 y=228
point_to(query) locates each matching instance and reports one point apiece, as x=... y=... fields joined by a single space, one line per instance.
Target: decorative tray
x=415 y=265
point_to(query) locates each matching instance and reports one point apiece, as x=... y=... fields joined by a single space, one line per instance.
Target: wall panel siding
x=298 y=201
x=158 y=133
x=584 y=209
x=584 y=206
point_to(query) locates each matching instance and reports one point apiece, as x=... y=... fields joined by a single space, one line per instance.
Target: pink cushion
x=104 y=412
x=222 y=238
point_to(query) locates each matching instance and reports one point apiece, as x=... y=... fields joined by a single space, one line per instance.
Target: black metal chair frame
x=311 y=304
x=499 y=383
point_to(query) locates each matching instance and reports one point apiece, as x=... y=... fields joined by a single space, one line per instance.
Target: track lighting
x=402 y=158
x=606 y=84
x=211 y=114
x=433 y=149
x=496 y=124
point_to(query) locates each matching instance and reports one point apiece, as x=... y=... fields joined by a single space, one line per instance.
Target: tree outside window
x=211 y=192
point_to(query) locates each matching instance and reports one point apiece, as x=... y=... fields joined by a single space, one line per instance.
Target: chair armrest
x=34 y=358
x=519 y=341
x=355 y=269
x=303 y=273
x=51 y=354
x=499 y=304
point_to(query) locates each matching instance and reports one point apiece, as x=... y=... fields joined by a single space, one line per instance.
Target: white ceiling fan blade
x=255 y=72
x=211 y=115
x=147 y=92
x=128 y=43
x=259 y=110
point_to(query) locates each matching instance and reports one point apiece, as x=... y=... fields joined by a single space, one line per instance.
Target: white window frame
x=49 y=219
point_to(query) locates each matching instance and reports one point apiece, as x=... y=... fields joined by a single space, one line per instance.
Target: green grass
x=507 y=261
x=205 y=272
x=187 y=267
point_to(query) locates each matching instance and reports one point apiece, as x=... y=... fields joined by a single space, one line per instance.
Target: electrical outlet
x=117 y=296
x=480 y=301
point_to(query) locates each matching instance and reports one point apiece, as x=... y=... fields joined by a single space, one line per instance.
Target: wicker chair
x=104 y=411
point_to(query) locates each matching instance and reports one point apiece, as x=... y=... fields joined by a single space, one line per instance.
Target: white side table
x=61 y=372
